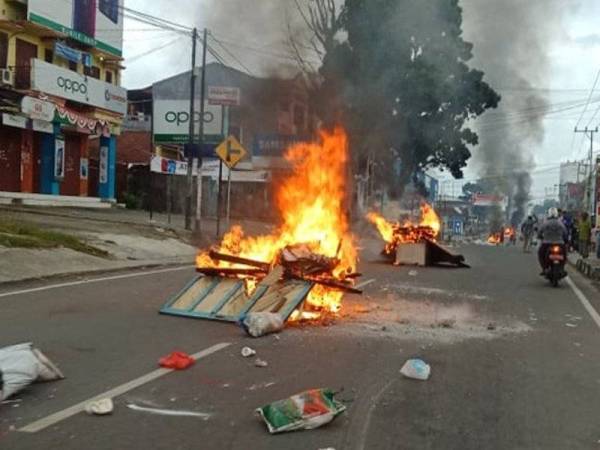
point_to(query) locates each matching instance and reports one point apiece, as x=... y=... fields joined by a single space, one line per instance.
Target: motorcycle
x=555 y=260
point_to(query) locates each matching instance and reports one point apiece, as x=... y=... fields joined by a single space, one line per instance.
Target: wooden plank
x=239 y=260
x=187 y=299
x=273 y=277
x=332 y=284
x=230 y=271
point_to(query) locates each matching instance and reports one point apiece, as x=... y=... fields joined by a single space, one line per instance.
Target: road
x=515 y=363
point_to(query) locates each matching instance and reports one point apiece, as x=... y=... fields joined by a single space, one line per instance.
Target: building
x=60 y=72
x=267 y=115
x=571 y=189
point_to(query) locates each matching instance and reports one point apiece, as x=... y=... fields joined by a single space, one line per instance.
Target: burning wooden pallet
x=411 y=244
x=229 y=293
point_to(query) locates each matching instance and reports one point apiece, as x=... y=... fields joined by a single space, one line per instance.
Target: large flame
x=311 y=204
x=429 y=218
x=394 y=233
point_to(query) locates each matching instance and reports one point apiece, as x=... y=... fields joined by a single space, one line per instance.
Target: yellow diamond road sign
x=231 y=151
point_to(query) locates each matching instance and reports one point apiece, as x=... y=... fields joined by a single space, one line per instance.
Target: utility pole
x=197 y=223
x=190 y=186
x=591 y=132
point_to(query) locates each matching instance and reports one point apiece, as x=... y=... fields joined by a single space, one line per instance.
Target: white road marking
x=365 y=283
x=119 y=390
x=92 y=280
x=584 y=301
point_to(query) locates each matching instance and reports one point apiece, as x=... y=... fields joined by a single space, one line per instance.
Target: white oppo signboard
x=71 y=85
x=172 y=120
x=97 y=23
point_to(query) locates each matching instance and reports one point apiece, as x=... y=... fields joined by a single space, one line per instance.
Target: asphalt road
x=515 y=363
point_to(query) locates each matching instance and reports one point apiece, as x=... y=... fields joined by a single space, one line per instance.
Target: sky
x=574 y=56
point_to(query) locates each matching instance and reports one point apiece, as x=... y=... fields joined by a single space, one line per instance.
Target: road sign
x=231 y=151
x=224 y=95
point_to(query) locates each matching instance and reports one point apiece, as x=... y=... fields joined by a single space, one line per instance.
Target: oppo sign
x=172 y=120
x=55 y=80
x=182 y=117
x=74 y=86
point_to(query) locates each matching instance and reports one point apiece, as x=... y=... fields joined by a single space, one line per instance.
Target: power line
x=231 y=54
x=589 y=97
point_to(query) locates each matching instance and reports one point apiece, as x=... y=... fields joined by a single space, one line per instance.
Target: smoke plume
x=512 y=40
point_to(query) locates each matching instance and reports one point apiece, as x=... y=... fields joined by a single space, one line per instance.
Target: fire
x=494 y=239
x=394 y=233
x=429 y=218
x=311 y=206
x=385 y=228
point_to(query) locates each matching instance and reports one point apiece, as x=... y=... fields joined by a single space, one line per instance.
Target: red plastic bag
x=176 y=360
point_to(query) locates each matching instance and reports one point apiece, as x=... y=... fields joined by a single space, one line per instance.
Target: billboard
x=172 y=121
x=97 y=23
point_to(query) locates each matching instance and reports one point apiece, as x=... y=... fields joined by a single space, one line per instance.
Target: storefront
x=45 y=145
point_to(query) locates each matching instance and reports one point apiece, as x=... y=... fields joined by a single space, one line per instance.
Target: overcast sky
x=574 y=55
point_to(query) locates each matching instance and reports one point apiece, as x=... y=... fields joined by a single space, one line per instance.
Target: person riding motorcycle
x=552 y=232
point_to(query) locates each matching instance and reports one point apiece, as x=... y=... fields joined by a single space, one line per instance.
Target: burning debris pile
x=309 y=261
x=495 y=239
x=411 y=243
x=394 y=233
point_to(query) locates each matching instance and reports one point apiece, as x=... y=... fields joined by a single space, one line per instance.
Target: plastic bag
x=304 y=411
x=22 y=365
x=259 y=324
x=176 y=360
x=416 y=369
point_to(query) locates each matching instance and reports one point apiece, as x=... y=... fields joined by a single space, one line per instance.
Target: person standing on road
x=527 y=233
x=585 y=235
x=552 y=232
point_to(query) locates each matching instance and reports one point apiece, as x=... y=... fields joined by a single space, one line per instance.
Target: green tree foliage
x=401 y=84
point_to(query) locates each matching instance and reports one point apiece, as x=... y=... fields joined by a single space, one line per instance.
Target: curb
x=67 y=275
x=588 y=270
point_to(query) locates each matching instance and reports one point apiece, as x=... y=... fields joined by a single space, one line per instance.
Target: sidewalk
x=129 y=237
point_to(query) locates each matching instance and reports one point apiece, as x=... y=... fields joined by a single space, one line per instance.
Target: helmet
x=552 y=213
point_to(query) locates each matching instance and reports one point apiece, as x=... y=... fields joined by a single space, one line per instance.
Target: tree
x=401 y=85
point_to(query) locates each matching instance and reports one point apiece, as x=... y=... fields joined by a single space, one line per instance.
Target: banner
x=97 y=23
x=158 y=164
x=70 y=54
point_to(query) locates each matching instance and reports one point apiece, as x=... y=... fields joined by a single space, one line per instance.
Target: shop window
x=108 y=76
x=48 y=55
x=93 y=72
x=3 y=50
x=26 y=51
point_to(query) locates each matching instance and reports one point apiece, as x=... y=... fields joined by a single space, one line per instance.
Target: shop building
x=60 y=71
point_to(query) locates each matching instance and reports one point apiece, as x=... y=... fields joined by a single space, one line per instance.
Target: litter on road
x=169 y=412
x=101 y=407
x=176 y=360
x=416 y=369
x=21 y=365
x=304 y=411
x=247 y=352
x=260 y=363
x=260 y=324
